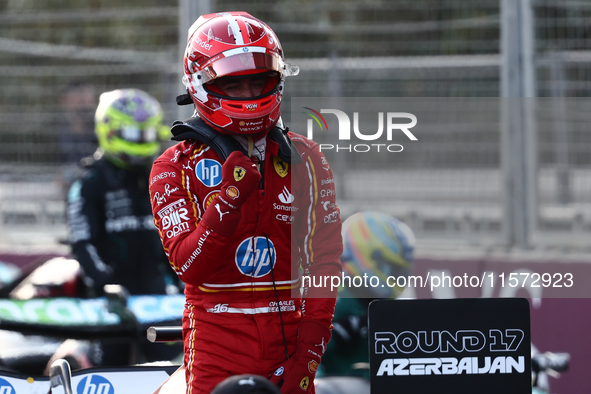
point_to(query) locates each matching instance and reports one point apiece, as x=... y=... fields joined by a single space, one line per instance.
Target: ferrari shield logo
x=246 y=59
x=239 y=173
x=304 y=383
x=280 y=166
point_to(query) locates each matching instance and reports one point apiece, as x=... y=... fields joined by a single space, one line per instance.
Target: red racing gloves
x=240 y=178
x=296 y=375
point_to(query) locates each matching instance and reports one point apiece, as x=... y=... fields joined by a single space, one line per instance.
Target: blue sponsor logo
x=149 y=309
x=209 y=172
x=5 y=387
x=94 y=384
x=255 y=257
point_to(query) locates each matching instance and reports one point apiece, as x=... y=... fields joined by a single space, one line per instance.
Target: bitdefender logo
x=344 y=133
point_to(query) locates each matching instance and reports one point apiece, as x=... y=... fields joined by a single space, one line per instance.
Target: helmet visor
x=134 y=133
x=237 y=60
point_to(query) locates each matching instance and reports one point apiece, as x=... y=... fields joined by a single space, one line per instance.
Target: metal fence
x=453 y=193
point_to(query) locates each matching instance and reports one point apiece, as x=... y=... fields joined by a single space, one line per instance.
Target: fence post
x=189 y=11
x=518 y=128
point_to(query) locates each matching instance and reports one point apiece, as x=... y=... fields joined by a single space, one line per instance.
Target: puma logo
x=217 y=207
x=322 y=345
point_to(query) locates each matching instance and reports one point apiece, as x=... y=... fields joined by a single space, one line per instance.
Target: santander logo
x=285 y=196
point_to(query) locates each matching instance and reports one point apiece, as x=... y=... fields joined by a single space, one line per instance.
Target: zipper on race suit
x=261 y=168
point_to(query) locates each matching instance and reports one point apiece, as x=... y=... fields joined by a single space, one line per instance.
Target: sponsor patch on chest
x=255 y=256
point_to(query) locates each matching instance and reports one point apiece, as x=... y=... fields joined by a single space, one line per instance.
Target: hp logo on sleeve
x=255 y=257
x=209 y=172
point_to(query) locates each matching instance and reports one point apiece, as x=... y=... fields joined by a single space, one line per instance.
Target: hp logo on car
x=6 y=388
x=255 y=257
x=95 y=384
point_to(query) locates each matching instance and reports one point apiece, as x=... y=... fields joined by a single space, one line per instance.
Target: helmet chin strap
x=250 y=145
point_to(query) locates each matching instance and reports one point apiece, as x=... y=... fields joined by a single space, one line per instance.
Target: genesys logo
x=162 y=175
x=395 y=122
x=94 y=384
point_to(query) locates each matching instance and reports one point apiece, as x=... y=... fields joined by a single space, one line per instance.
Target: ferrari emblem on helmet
x=239 y=173
x=210 y=35
x=246 y=59
x=304 y=383
x=280 y=166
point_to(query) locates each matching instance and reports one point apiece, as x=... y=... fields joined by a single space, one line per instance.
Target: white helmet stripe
x=232 y=24
x=236 y=51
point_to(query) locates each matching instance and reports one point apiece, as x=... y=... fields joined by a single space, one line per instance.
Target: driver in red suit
x=254 y=236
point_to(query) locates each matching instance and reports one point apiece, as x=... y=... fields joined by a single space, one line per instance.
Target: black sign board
x=457 y=346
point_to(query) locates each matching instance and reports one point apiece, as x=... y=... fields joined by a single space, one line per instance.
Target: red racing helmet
x=235 y=44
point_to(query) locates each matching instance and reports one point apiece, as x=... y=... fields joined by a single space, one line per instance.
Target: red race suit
x=290 y=228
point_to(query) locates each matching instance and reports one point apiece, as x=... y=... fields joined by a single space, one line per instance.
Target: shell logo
x=313 y=366
x=232 y=192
